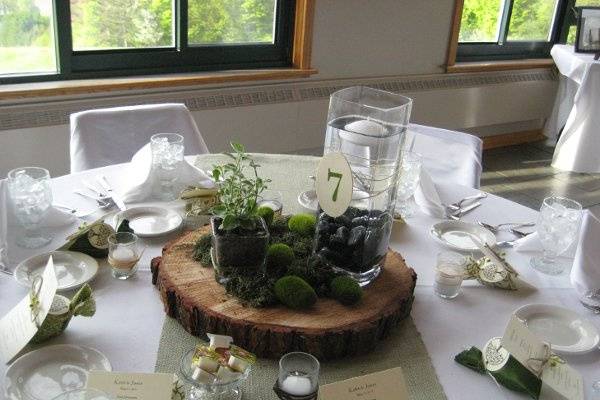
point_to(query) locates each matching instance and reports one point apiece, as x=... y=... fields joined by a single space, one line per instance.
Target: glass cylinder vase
x=367 y=128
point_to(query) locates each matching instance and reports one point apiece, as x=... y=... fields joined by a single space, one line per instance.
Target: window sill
x=506 y=65
x=86 y=86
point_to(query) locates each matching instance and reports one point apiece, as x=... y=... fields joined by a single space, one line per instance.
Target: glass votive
x=449 y=274
x=123 y=254
x=272 y=199
x=298 y=376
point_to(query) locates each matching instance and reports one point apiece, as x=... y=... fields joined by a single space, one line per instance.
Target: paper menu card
x=559 y=380
x=383 y=385
x=18 y=326
x=132 y=386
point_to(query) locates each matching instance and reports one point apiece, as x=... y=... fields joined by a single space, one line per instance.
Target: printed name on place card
x=132 y=386
x=384 y=385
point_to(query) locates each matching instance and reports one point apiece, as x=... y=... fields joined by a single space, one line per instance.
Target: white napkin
x=54 y=218
x=427 y=197
x=585 y=274
x=142 y=179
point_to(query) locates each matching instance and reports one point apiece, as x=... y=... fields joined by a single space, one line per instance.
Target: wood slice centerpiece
x=329 y=330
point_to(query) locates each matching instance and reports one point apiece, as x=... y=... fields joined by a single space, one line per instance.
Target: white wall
x=352 y=39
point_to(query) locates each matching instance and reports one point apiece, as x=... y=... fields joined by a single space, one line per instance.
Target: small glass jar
x=298 y=375
x=272 y=199
x=449 y=274
x=123 y=254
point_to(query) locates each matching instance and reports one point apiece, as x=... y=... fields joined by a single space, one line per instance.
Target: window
x=510 y=29
x=69 y=39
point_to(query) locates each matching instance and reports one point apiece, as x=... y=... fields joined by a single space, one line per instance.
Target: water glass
x=123 y=254
x=298 y=374
x=449 y=273
x=557 y=228
x=167 y=156
x=272 y=199
x=408 y=180
x=31 y=195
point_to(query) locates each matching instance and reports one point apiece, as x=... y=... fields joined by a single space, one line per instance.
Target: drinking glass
x=408 y=180
x=298 y=374
x=123 y=254
x=31 y=196
x=449 y=274
x=272 y=199
x=167 y=156
x=557 y=227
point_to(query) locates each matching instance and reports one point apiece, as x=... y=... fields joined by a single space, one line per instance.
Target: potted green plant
x=239 y=235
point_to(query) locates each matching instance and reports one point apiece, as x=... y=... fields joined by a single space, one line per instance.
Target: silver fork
x=458 y=205
x=102 y=202
x=513 y=225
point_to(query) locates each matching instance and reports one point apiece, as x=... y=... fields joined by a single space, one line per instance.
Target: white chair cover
x=113 y=135
x=448 y=156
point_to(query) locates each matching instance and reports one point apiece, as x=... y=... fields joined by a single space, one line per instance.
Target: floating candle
x=297 y=385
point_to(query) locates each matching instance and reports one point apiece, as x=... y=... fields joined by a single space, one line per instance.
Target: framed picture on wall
x=588 y=30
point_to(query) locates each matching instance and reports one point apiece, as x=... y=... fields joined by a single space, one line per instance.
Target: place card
x=384 y=385
x=559 y=380
x=132 y=386
x=24 y=320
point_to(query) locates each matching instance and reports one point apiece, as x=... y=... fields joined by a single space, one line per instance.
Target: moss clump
x=279 y=257
x=256 y=291
x=267 y=214
x=294 y=292
x=303 y=224
x=346 y=290
x=202 y=250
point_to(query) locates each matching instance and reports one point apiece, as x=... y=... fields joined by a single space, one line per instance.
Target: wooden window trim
x=301 y=59
x=483 y=66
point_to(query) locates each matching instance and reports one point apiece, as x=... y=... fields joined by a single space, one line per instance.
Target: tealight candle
x=449 y=274
x=298 y=375
x=122 y=254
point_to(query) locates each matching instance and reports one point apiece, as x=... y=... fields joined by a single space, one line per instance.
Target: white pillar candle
x=297 y=385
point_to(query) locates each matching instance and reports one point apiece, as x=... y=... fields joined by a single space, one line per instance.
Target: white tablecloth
x=130 y=314
x=577 y=108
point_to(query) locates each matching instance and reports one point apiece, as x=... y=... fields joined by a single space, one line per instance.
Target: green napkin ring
x=61 y=312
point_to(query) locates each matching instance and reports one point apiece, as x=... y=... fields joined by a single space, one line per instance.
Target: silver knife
x=116 y=198
x=466 y=209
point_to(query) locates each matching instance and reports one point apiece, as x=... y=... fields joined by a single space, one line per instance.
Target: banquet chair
x=448 y=156
x=109 y=136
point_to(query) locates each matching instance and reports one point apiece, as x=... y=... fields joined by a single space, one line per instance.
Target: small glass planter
x=238 y=253
x=220 y=390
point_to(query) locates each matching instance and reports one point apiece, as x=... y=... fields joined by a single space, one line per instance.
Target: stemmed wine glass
x=408 y=180
x=167 y=156
x=557 y=227
x=31 y=196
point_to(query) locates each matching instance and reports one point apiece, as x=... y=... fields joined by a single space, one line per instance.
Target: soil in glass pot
x=238 y=252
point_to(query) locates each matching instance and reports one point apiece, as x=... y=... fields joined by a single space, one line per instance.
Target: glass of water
x=31 y=195
x=408 y=179
x=557 y=228
x=167 y=156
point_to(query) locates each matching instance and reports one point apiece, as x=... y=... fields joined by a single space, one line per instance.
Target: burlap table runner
x=404 y=348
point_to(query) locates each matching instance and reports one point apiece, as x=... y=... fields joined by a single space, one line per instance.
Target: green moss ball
x=279 y=255
x=267 y=213
x=302 y=224
x=295 y=292
x=346 y=290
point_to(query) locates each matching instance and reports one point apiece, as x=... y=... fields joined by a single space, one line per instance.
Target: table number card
x=384 y=385
x=559 y=380
x=22 y=322
x=132 y=386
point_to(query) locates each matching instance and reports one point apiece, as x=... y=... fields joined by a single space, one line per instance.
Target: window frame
x=181 y=58
x=504 y=50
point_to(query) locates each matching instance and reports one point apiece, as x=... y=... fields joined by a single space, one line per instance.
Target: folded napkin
x=143 y=180
x=54 y=218
x=531 y=243
x=427 y=197
x=585 y=275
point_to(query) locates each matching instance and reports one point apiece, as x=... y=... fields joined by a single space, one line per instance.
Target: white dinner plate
x=73 y=269
x=308 y=200
x=49 y=371
x=565 y=330
x=151 y=221
x=457 y=235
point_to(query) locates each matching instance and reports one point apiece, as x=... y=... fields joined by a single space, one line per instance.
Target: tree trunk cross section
x=329 y=330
